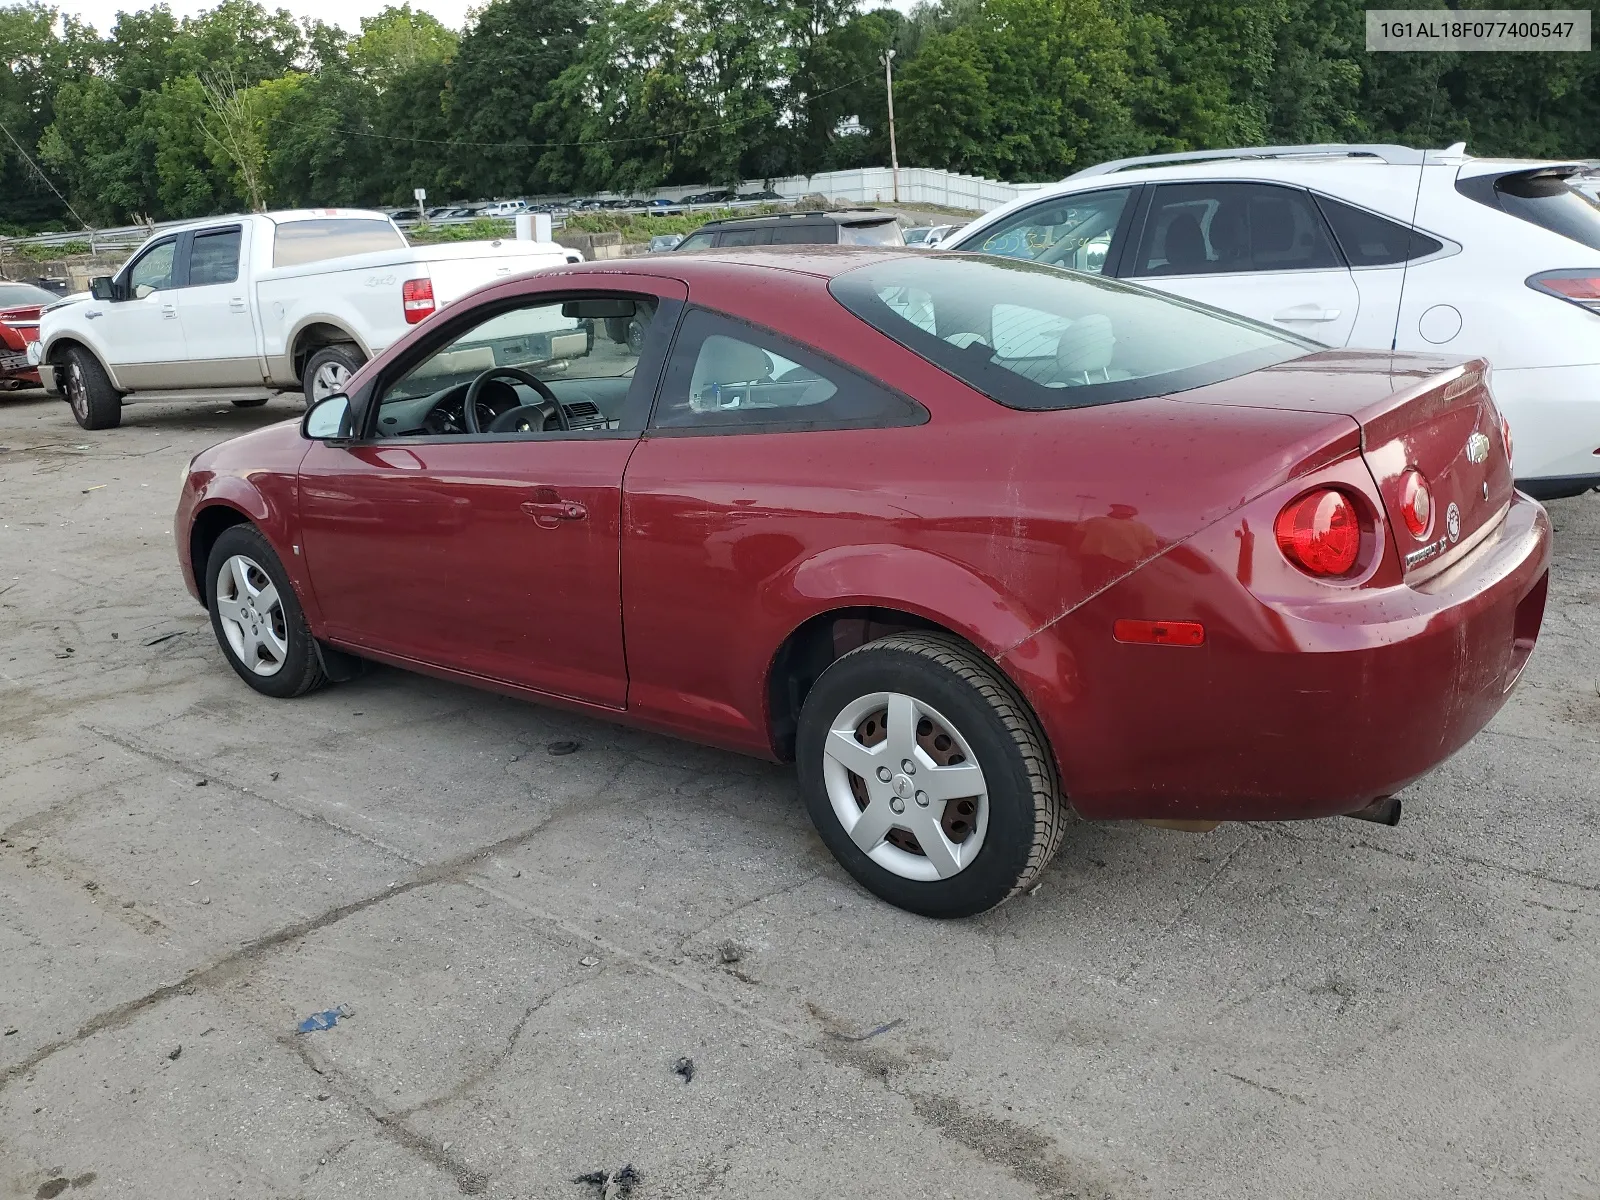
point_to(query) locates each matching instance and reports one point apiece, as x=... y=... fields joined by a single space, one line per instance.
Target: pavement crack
x=1267 y=1087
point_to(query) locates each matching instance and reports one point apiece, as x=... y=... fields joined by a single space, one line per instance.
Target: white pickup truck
x=248 y=305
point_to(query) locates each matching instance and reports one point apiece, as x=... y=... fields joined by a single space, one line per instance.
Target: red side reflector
x=416 y=296
x=1160 y=633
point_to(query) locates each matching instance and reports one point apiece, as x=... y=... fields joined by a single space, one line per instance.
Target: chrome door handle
x=169 y=310
x=547 y=513
x=1307 y=312
x=238 y=304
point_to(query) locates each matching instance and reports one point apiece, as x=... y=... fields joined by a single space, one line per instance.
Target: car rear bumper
x=1286 y=712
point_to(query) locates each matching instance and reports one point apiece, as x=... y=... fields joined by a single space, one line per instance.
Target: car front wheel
x=95 y=403
x=927 y=776
x=257 y=617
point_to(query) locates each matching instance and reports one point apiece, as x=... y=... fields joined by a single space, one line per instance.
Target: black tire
x=301 y=667
x=343 y=355
x=94 y=402
x=636 y=337
x=617 y=329
x=256 y=403
x=1026 y=815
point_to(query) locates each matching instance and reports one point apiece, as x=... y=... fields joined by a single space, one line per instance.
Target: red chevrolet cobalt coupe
x=969 y=539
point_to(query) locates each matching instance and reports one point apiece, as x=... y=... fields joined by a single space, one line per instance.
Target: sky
x=102 y=14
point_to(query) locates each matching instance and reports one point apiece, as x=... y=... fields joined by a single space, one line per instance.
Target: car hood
x=276 y=448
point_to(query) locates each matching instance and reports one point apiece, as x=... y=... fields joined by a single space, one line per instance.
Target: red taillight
x=1320 y=533
x=1416 y=503
x=1160 y=633
x=1505 y=434
x=1580 y=287
x=417 y=296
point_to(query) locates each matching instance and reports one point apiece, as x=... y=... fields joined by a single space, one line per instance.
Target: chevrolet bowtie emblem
x=1478 y=448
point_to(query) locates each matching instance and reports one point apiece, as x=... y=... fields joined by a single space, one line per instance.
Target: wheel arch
x=209 y=524
x=317 y=332
x=55 y=355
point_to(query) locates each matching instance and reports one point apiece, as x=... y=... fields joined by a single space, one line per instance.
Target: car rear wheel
x=927 y=776
x=328 y=371
x=95 y=403
x=257 y=617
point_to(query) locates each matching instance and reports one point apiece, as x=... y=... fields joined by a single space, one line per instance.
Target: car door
x=492 y=553
x=214 y=310
x=1262 y=250
x=140 y=333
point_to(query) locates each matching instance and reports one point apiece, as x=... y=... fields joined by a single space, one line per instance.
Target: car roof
x=818 y=261
x=846 y=216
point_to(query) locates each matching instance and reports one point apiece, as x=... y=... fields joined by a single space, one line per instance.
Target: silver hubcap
x=906 y=786
x=329 y=380
x=252 y=615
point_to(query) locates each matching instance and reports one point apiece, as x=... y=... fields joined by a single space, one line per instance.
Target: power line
x=648 y=137
x=37 y=170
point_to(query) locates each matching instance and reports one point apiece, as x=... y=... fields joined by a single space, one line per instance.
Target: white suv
x=1371 y=247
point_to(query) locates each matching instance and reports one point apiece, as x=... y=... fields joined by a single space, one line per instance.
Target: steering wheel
x=469 y=407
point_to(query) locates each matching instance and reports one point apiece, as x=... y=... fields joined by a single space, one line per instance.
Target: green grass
x=640 y=227
x=484 y=229
x=47 y=253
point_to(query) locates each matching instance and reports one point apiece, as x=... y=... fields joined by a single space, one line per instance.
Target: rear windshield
x=1036 y=337
x=881 y=233
x=299 y=242
x=16 y=295
x=1545 y=199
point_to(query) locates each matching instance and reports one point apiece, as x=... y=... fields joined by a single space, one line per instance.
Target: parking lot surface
x=527 y=944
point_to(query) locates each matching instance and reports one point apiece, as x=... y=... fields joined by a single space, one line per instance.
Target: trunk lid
x=1431 y=414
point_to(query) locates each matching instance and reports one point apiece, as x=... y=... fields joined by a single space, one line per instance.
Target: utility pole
x=888 y=82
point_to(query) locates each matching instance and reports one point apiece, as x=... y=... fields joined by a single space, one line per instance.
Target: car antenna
x=1411 y=228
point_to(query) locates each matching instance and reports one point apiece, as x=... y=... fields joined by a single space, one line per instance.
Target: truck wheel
x=927 y=775
x=328 y=371
x=95 y=403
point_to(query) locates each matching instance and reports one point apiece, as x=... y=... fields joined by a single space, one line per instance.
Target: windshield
x=1037 y=337
x=16 y=295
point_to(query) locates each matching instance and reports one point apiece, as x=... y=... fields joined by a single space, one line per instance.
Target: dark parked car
x=970 y=539
x=847 y=227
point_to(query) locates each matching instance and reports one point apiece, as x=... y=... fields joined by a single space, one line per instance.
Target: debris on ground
x=870 y=1034
x=563 y=747
x=588 y=960
x=199 y=783
x=163 y=637
x=274 y=777
x=729 y=952
x=612 y=1184
x=326 y=1019
x=172 y=1055
x=685 y=1067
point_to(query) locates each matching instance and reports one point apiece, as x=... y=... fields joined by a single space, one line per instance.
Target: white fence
x=918 y=185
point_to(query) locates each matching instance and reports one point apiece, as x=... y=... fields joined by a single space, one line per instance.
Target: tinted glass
x=1227 y=228
x=697 y=241
x=761 y=236
x=214 y=258
x=794 y=234
x=1369 y=240
x=15 y=295
x=1549 y=201
x=880 y=233
x=1069 y=231
x=727 y=376
x=153 y=272
x=299 y=242
x=1035 y=337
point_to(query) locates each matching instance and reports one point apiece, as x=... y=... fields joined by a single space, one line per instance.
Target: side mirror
x=328 y=420
x=101 y=287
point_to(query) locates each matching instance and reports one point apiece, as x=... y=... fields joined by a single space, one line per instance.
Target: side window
x=1069 y=231
x=214 y=257
x=796 y=233
x=153 y=271
x=761 y=236
x=1369 y=240
x=703 y=240
x=521 y=361
x=726 y=376
x=1228 y=228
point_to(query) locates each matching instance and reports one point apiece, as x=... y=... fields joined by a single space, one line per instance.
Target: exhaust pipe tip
x=1385 y=810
